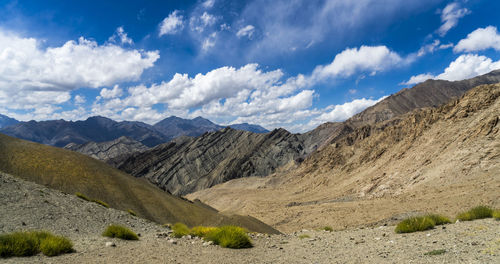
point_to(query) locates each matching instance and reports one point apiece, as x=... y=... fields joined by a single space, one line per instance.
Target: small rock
x=23 y=223
x=110 y=244
x=444 y=227
x=171 y=241
x=428 y=235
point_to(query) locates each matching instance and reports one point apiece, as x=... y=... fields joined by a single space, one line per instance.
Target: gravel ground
x=26 y=206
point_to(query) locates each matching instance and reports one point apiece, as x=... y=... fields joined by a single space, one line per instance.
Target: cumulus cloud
x=79 y=99
x=122 y=37
x=450 y=16
x=246 y=31
x=113 y=93
x=464 y=67
x=341 y=112
x=171 y=24
x=366 y=58
x=431 y=47
x=208 y=3
x=480 y=39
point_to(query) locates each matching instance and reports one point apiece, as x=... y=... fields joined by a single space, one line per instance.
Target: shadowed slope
x=73 y=172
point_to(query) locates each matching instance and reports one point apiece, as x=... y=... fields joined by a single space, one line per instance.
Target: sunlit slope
x=73 y=172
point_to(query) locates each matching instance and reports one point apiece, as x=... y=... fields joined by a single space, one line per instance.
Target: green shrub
x=435 y=252
x=119 y=231
x=201 y=231
x=439 y=219
x=130 y=211
x=82 y=196
x=55 y=245
x=496 y=214
x=100 y=202
x=478 y=212
x=414 y=224
x=230 y=237
x=180 y=230
x=304 y=236
x=327 y=228
x=20 y=244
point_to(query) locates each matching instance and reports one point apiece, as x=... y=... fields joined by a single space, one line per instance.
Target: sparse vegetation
x=414 y=224
x=180 y=230
x=496 y=214
x=82 y=196
x=304 y=236
x=435 y=252
x=230 y=237
x=20 y=244
x=478 y=212
x=100 y=202
x=119 y=231
x=201 y=231
x=439 y=219
x=130 y=211
x=327 y=228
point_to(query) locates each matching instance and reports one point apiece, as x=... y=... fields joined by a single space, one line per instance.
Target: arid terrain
x=83 y=222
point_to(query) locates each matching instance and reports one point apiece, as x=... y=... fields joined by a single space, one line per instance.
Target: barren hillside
x=436 y=159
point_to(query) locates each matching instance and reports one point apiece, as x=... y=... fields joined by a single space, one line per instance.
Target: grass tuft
x=230 y=237
x=478 y=212
x=414 y=224
x=304 y=236
x=496 y=214
x=439 y=219
x=180 y=230
x=82 y=196
x=119 y=231
x=100 y=202
x=327 y=228
x=435 y=252
x=21 y=244
x=55 y=245
x=201 y=231
x=130 y=211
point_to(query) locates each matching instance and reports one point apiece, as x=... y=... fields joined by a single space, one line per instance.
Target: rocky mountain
x=173 y=127
x=7 y=121
x=98 y=129
x=189 y=164
x=431 y=93
x=72 y=172
x=440 y=159
x=109 y=151
x=249 y=127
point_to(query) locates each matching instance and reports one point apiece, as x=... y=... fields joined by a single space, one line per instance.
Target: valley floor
x=28 y=206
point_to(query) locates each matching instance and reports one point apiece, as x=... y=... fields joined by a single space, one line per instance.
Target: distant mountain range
x=101 y=129
x=7 y=121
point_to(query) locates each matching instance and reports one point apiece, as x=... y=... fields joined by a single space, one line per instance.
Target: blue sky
x=291 y=64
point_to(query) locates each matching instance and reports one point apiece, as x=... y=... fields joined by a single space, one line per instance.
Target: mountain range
x=60 y=133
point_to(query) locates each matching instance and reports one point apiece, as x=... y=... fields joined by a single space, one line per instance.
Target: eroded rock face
x=110 y=151
x=189 y=164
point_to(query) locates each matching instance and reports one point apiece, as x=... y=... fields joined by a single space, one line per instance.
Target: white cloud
x=429 y=48
x=208 y=3
x=209 y=41
x=337 y=113
x=450 y=16
x=480 y=39
x=200 y=23
x=79 y=99
x=464 y=67
x=113 y=93
x=418 y=79
x=122 y=37
x=171 y=24
x=247 y=31
x=367 y=58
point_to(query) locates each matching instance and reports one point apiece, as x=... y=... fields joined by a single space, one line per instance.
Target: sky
x=282 y=63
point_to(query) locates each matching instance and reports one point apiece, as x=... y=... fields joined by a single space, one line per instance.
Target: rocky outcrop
x=189 y=164
x=431 y=93
x=110 y=152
